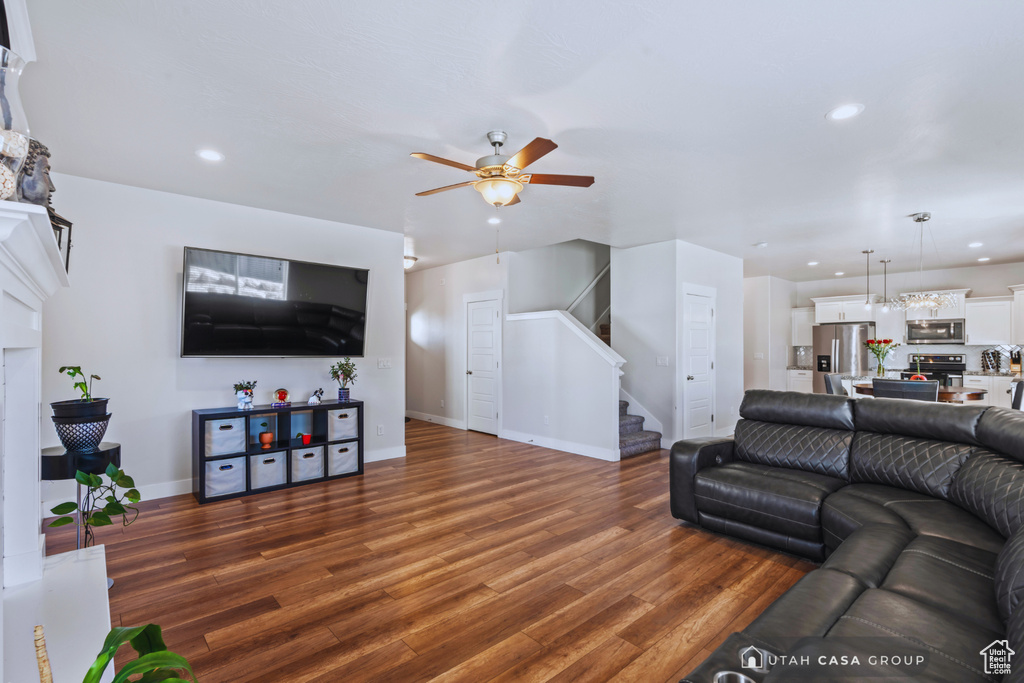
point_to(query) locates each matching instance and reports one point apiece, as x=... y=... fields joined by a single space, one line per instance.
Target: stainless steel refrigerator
x=840 y=349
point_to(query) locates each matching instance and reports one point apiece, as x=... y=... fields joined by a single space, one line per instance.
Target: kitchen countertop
x=988 y=373
x=799 y=367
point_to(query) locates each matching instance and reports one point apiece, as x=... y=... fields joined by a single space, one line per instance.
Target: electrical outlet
x=442 y=403
x=545 y=419
x=758 y=356
x=380 y=430
x=442 y=282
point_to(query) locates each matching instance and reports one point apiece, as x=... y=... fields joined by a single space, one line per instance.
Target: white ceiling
x=702 y=121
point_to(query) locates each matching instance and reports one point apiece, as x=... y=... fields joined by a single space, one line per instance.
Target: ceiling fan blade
x=441 y=160
x=529 y=154
x=555 y=179
x=446 y=187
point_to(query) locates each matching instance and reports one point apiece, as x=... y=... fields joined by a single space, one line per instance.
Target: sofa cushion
x=797 y=408
x=782 y=500
x=1002 y=430
x=953 y=642
x=1009 y=577
x=929 y=567
x=933 y=421
x=992 y=488
x=813 y=550
x=921 y=465
x=813 y=449
x=870 y=552
x=857 y=505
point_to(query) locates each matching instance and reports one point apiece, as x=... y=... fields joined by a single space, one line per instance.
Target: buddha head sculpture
x=34 y=184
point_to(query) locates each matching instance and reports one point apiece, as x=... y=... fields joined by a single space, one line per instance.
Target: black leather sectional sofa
x=915 y=509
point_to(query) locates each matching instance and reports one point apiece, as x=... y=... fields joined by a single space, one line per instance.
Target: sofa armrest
x=685 y=461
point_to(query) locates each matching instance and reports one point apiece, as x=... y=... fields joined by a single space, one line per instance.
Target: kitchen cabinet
x=980 y=382
x=803 y=323
x=844 y=309
x=1000 y=395
x=1018 y=314
x=989 y=320
x=800 y=380
x=959 y=311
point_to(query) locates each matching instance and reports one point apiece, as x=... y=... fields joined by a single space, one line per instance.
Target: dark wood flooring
x=474 y=559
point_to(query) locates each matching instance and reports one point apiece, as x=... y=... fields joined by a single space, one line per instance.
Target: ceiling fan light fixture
x=498 y=191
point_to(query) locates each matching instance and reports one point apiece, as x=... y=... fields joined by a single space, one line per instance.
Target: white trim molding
x=610 y=454
x=436 y=419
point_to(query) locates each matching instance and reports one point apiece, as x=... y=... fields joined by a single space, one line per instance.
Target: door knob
x=469 y=372
x=689 y=377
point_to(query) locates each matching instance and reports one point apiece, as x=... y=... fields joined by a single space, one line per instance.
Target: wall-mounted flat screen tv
x=242 y=305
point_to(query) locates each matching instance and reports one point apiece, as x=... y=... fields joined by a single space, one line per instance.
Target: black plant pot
x=81 y=434
x=79 y=408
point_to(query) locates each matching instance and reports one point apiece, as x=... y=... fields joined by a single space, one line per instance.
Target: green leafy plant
x=344 y=372
x=116 y=503
x=155 y=662
x=242 y=386
x=75 y=371
x=299 y=435
x=264 y=425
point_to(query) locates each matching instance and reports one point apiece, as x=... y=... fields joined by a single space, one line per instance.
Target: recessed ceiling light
x=812 y=263
x=494 y=221
x=840 y=273
x=975 y=245
x=846 y=111
x=984 y=258
x=209 y=155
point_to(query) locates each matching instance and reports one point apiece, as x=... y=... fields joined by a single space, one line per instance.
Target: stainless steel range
x=948 y=369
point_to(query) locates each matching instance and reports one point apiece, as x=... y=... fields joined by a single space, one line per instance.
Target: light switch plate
x=661 y=361
x=758 y=356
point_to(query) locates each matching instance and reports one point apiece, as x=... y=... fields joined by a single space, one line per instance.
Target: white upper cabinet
x=844 y=309
x=989 y=320
x=1018 y=314
x=803 y=323
x=960 y=311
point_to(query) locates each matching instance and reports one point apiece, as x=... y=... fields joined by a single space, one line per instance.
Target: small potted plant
x=880 y=348
x=344 y=373
x=243 y=392
x=155 y=662
x=306 y=438
x=266 y=436
x=116 y=503
x=81 y=422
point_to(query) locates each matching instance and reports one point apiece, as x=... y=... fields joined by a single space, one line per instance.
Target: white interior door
x=483 y=365
x=697 y=353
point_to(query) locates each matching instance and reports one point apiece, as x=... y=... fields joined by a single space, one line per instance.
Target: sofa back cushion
x=1010 y=576
x=937 y=421
x=812 y=449
x=906 y=462
x=795 y=408
x=991 y=487
x=1002 y=430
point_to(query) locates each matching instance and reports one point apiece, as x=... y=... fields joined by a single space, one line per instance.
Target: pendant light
x=885 y=284
x=923 y=301
x=867 y=278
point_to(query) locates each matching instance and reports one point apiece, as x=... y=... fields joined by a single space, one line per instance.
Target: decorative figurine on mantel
x=36 y=187
x=243 y=392
x=317 y=397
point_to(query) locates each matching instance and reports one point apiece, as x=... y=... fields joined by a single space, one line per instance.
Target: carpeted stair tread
x=630 y=424
x=623 y=407
x=639 y=442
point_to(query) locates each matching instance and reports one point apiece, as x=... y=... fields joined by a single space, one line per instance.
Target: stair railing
x=589 y=288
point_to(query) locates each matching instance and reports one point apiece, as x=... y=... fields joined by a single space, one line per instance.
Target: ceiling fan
x=500 y=177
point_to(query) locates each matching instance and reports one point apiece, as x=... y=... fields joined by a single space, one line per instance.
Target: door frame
x=467 y=299
x=679 y=418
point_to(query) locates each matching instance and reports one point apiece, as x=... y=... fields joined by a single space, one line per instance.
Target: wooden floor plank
x=472 y=559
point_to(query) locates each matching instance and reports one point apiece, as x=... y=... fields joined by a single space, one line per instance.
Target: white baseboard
x=436 y=419
x=610 y=454
x=379 y=454
x=57 y=492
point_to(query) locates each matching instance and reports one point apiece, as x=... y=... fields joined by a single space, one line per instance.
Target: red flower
x=887 y=341
x=870 y=341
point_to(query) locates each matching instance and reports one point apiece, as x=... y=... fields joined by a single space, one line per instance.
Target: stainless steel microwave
x=935 y=331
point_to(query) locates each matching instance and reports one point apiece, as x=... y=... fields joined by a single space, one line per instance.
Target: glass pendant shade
x=498 y=191
x=409 y=262
x=922 y=301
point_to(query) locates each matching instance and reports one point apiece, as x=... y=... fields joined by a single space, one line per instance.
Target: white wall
x=646 y=283
x=121 y=320
x=436 y=335
x=550 y=278
x=981 y=280
x=767 y=325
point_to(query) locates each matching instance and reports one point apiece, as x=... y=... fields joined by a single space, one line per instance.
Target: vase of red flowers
x=880 y=348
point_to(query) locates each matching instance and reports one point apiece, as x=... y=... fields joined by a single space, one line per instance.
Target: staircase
x=633 y=440
x=606 y=334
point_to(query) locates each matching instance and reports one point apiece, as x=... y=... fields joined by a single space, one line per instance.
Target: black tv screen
x=241 y=305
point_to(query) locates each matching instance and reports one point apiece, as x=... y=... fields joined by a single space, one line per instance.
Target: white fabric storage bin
x=225 y=436
x=225 y=476
x=268 y=469
x=343 y=458
x=342 y=423
x=307 y=463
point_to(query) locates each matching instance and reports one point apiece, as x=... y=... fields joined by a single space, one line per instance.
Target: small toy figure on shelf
x=344 y=372
x=281 y=399
x=243 y=391
x=317 y=397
